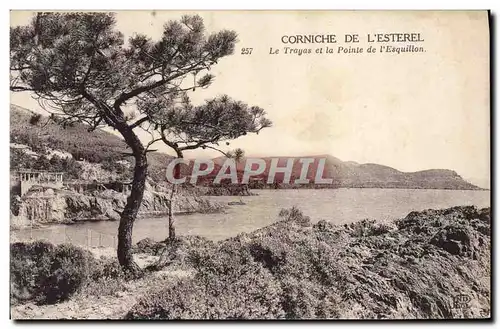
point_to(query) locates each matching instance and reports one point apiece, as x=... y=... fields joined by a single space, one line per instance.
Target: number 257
x=246 y=51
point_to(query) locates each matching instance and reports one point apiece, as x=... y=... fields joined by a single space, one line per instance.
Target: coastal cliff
x=53 y=206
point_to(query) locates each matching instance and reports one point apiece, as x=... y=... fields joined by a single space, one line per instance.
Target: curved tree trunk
x=134 y=201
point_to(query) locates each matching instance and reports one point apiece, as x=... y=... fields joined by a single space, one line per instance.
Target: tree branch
x=151 y=143
x=173 y=145
x=216 y=149
x=18 y=88
x=180 y=72
x=139 y=122
x=126 y=96
x=193 y=146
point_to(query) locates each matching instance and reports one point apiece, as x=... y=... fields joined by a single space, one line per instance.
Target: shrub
x=113 y=165
x=42 y=163
x=323 y=226
x=107 y=278
x=228 y=284
x=35 y=119
x=71 y=167
x=29 y=263
x=147 y=245
x=295 y=215
x=223 y=290
x=20 y=160
x=181 y=299
x=368 y=228
x=46 y=273
x=304 y=299
x=177 y=252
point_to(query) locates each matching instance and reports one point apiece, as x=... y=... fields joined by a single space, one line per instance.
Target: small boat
x=236 y=203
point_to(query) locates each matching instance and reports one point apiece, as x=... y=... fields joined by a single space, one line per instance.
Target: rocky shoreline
x=428 y=265
x=432 y=264
x=53 y=206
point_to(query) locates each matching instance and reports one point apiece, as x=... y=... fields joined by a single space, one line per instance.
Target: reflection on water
x=337 y=206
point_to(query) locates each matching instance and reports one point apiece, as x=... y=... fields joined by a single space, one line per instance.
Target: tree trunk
x=134 y=201
x=171 y=219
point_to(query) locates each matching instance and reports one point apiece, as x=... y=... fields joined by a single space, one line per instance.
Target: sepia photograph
x=250 y=165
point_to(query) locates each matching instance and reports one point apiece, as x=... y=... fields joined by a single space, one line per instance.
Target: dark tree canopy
x=187 y=127
x=73 y=62
x=81 y=68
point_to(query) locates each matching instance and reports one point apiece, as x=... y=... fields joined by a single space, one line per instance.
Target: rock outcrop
x=63 y=206
x=433 y=264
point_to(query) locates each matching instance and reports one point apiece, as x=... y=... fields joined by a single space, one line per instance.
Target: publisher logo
x=461 y=301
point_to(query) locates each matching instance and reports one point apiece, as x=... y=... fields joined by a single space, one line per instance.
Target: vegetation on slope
x=412 y=268
x=40 y=134
x=20 y=160
x=46 y=274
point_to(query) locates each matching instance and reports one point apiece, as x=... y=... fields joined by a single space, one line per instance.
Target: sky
x=410 y=111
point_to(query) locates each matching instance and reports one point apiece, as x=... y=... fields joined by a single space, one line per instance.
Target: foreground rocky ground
x=110 y=300
x=430 y=264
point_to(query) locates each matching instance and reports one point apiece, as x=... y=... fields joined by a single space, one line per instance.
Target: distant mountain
x=100 y=145
x=368 y=175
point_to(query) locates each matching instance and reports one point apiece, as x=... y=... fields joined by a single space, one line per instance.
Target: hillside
x=95 y=147
x=349 y=174
x=100 y=146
